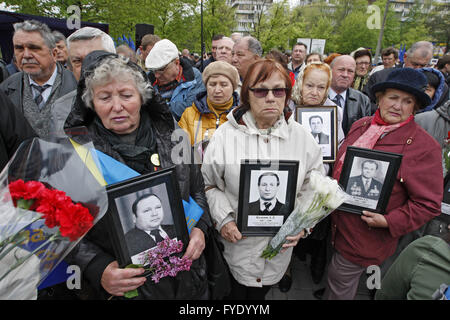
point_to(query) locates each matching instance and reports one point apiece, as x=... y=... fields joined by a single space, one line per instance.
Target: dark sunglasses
x=263 y=92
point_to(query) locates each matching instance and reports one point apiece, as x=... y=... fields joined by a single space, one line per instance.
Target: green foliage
x=343 y=23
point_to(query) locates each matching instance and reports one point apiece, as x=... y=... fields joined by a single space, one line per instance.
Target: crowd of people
x=241 y=103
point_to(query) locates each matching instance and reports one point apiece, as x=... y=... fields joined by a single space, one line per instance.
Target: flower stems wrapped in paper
x=49 y=199
x=324 y=196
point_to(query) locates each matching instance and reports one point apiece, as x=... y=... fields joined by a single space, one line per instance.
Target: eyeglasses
x=363 y=63
x=263 y=92
x=162 y=69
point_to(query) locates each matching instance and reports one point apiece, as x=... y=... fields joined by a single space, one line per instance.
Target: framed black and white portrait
x=142 y=212
x=322 y=123
x=368 y=177
x=266 y=196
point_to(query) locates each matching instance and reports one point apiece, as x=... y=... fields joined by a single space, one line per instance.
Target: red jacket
x=415 y=199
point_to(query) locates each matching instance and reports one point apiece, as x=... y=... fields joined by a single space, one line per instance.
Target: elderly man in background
x=177 y=81
x=224 y=49
x=355 y=104
x=42 y=80
x=418 y=56
x=246 y=51
x=61 y=48
x=80 y=44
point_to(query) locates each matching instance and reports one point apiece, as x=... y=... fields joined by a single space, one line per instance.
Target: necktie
x=40 y=89
x=157 y=235
x=337 y=99
x=267 y=205
x=367 y=185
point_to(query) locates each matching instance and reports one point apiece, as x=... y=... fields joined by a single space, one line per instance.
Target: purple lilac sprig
x=161 y=267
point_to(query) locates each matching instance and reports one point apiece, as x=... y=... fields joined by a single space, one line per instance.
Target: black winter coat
x=95 y=251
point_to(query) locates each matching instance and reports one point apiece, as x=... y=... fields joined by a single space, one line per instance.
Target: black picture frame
x=328 y=137
x=130 y=242
x=250 y=220
x=384 y=167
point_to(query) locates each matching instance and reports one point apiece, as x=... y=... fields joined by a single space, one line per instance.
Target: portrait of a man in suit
x=316 y=125
x=148 y=215
x=267 y=204
x=365 y=185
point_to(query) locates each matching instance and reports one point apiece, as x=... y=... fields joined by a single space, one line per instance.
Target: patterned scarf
x=378 y=127
x=360 y=82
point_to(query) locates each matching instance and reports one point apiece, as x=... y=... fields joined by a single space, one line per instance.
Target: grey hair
x=89 y=33
x=425 y=48
x=253 y=45
x=37 y=26
x=58 y=36
x=112 y=68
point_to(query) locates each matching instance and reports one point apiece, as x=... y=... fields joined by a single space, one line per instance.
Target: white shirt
x=46 y=92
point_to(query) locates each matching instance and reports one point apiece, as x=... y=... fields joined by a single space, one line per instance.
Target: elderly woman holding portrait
x=128 y=122
x=371 y=238
x=260 y=128
x=311 y=90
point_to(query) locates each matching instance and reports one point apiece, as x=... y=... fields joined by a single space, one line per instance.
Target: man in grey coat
x=436 y=122
x=355 y=104
x=42 y=80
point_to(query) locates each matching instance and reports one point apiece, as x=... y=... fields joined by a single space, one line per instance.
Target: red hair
x=260 y=71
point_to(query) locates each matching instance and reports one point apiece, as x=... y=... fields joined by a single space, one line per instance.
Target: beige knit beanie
x=221 y=68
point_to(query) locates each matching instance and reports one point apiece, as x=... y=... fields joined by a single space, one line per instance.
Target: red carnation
x=75 y=220
x=58 y=210
x=25 y=190
x=51 y=203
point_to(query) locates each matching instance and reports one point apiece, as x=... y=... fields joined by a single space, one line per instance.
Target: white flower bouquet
x=323 y=196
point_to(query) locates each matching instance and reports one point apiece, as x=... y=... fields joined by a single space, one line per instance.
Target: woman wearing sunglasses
x=261 y=128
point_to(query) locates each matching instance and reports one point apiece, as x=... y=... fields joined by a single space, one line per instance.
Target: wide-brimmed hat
x=408 y=80
x=221 y=68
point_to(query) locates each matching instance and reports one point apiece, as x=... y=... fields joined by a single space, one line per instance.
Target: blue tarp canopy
x=7 y=19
